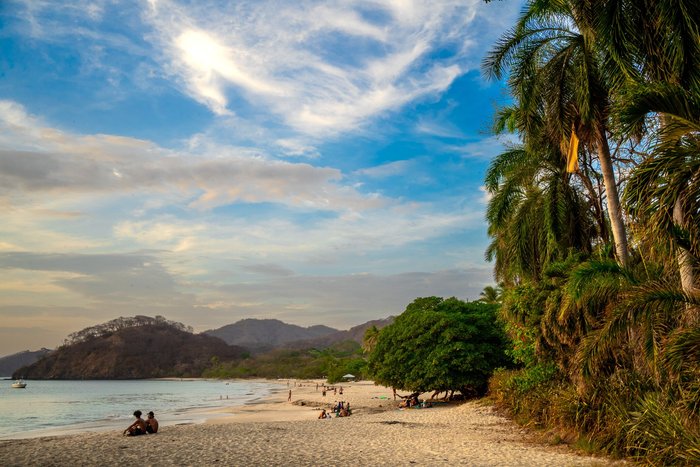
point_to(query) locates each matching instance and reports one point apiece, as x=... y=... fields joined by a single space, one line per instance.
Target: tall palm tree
x=555 y=71
x=535 y=215
x=664 y=191
x=661 y=58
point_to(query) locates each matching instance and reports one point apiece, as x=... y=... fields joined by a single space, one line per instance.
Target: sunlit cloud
x=287 y=57
x=211 y=161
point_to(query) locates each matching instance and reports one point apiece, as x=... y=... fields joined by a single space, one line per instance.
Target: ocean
x=46 y=408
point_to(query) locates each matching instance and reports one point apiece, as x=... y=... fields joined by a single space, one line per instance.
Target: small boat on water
x=19 y=384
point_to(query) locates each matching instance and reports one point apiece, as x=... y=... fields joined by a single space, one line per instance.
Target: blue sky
x=314 y=162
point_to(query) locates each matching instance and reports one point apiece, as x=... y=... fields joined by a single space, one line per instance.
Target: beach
x=277 y=432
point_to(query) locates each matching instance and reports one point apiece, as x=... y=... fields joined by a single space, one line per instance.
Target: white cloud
x=50 y=160
x=122 y=186
x=322 y=67
x=486 y=148
x=390 y=169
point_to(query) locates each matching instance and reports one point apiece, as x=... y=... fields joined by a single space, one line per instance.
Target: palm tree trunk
x=613 y=198
x=686 y=269
x=597 y=206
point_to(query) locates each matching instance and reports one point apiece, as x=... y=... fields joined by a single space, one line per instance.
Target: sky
x=210 y=161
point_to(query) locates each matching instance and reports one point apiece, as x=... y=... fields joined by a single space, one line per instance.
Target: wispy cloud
x=44 y=159
x=290 y=58
x=216 y=160
x=93 y=171
x=390 y=169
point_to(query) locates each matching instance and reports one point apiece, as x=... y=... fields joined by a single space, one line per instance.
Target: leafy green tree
x=440 y=344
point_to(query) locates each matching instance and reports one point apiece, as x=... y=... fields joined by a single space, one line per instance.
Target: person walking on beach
x=138 y=427
x=289 y=399
x=151 y=423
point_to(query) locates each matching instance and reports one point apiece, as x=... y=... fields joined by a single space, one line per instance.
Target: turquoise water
x=64 y=407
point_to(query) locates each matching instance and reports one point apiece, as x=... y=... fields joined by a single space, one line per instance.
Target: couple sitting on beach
x=141 y=427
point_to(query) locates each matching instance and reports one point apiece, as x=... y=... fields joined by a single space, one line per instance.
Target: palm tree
x=664 y=191
x=555 y=72
x=662 y=61
x=535 y=215
x=651 y=41
x=370 y=338
x=491 y=294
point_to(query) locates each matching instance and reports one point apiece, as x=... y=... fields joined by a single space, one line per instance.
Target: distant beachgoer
x=289 y=399
x=341 y=390
x=151 y=423
x=323 y=414
x=323 y=393
x=138 y=427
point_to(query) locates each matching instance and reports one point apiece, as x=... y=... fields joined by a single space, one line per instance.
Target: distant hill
x=260 y=335
x=356 y=333
x=151 y=348
x=10 y=363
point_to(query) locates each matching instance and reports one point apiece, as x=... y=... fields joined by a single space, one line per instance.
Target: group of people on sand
x=342 y=409
x=141 y=426
x=413 y=401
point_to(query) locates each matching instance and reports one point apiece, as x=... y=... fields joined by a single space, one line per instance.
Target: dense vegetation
x=595 y=223
x=331 y=363
x=439 y=345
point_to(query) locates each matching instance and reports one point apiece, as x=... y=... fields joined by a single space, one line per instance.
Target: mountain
x=151 y=349
x=356 y=333
x=260 y=335
x=10 y=363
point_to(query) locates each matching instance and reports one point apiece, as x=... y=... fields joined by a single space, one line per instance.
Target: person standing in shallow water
x=151 y=423
x=138 y=427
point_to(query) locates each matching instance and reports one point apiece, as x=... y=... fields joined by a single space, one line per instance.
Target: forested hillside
x=132 y=348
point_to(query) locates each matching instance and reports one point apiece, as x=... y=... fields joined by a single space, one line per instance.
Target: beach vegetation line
x=594 y=220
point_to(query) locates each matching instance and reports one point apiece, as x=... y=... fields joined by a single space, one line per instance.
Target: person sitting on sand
x=151 y=423
x=138 y=427
x=323 y=414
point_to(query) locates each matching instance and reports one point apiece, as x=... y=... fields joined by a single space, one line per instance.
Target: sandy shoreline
x=276 y=432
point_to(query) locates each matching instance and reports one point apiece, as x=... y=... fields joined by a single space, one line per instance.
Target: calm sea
x=64 y=407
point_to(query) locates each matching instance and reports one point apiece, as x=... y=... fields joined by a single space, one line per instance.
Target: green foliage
x=610 y=346
x=334 y=362
x=440 y=344
x=619 y=414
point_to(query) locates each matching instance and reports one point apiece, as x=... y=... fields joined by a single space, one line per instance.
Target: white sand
x=277 y=432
